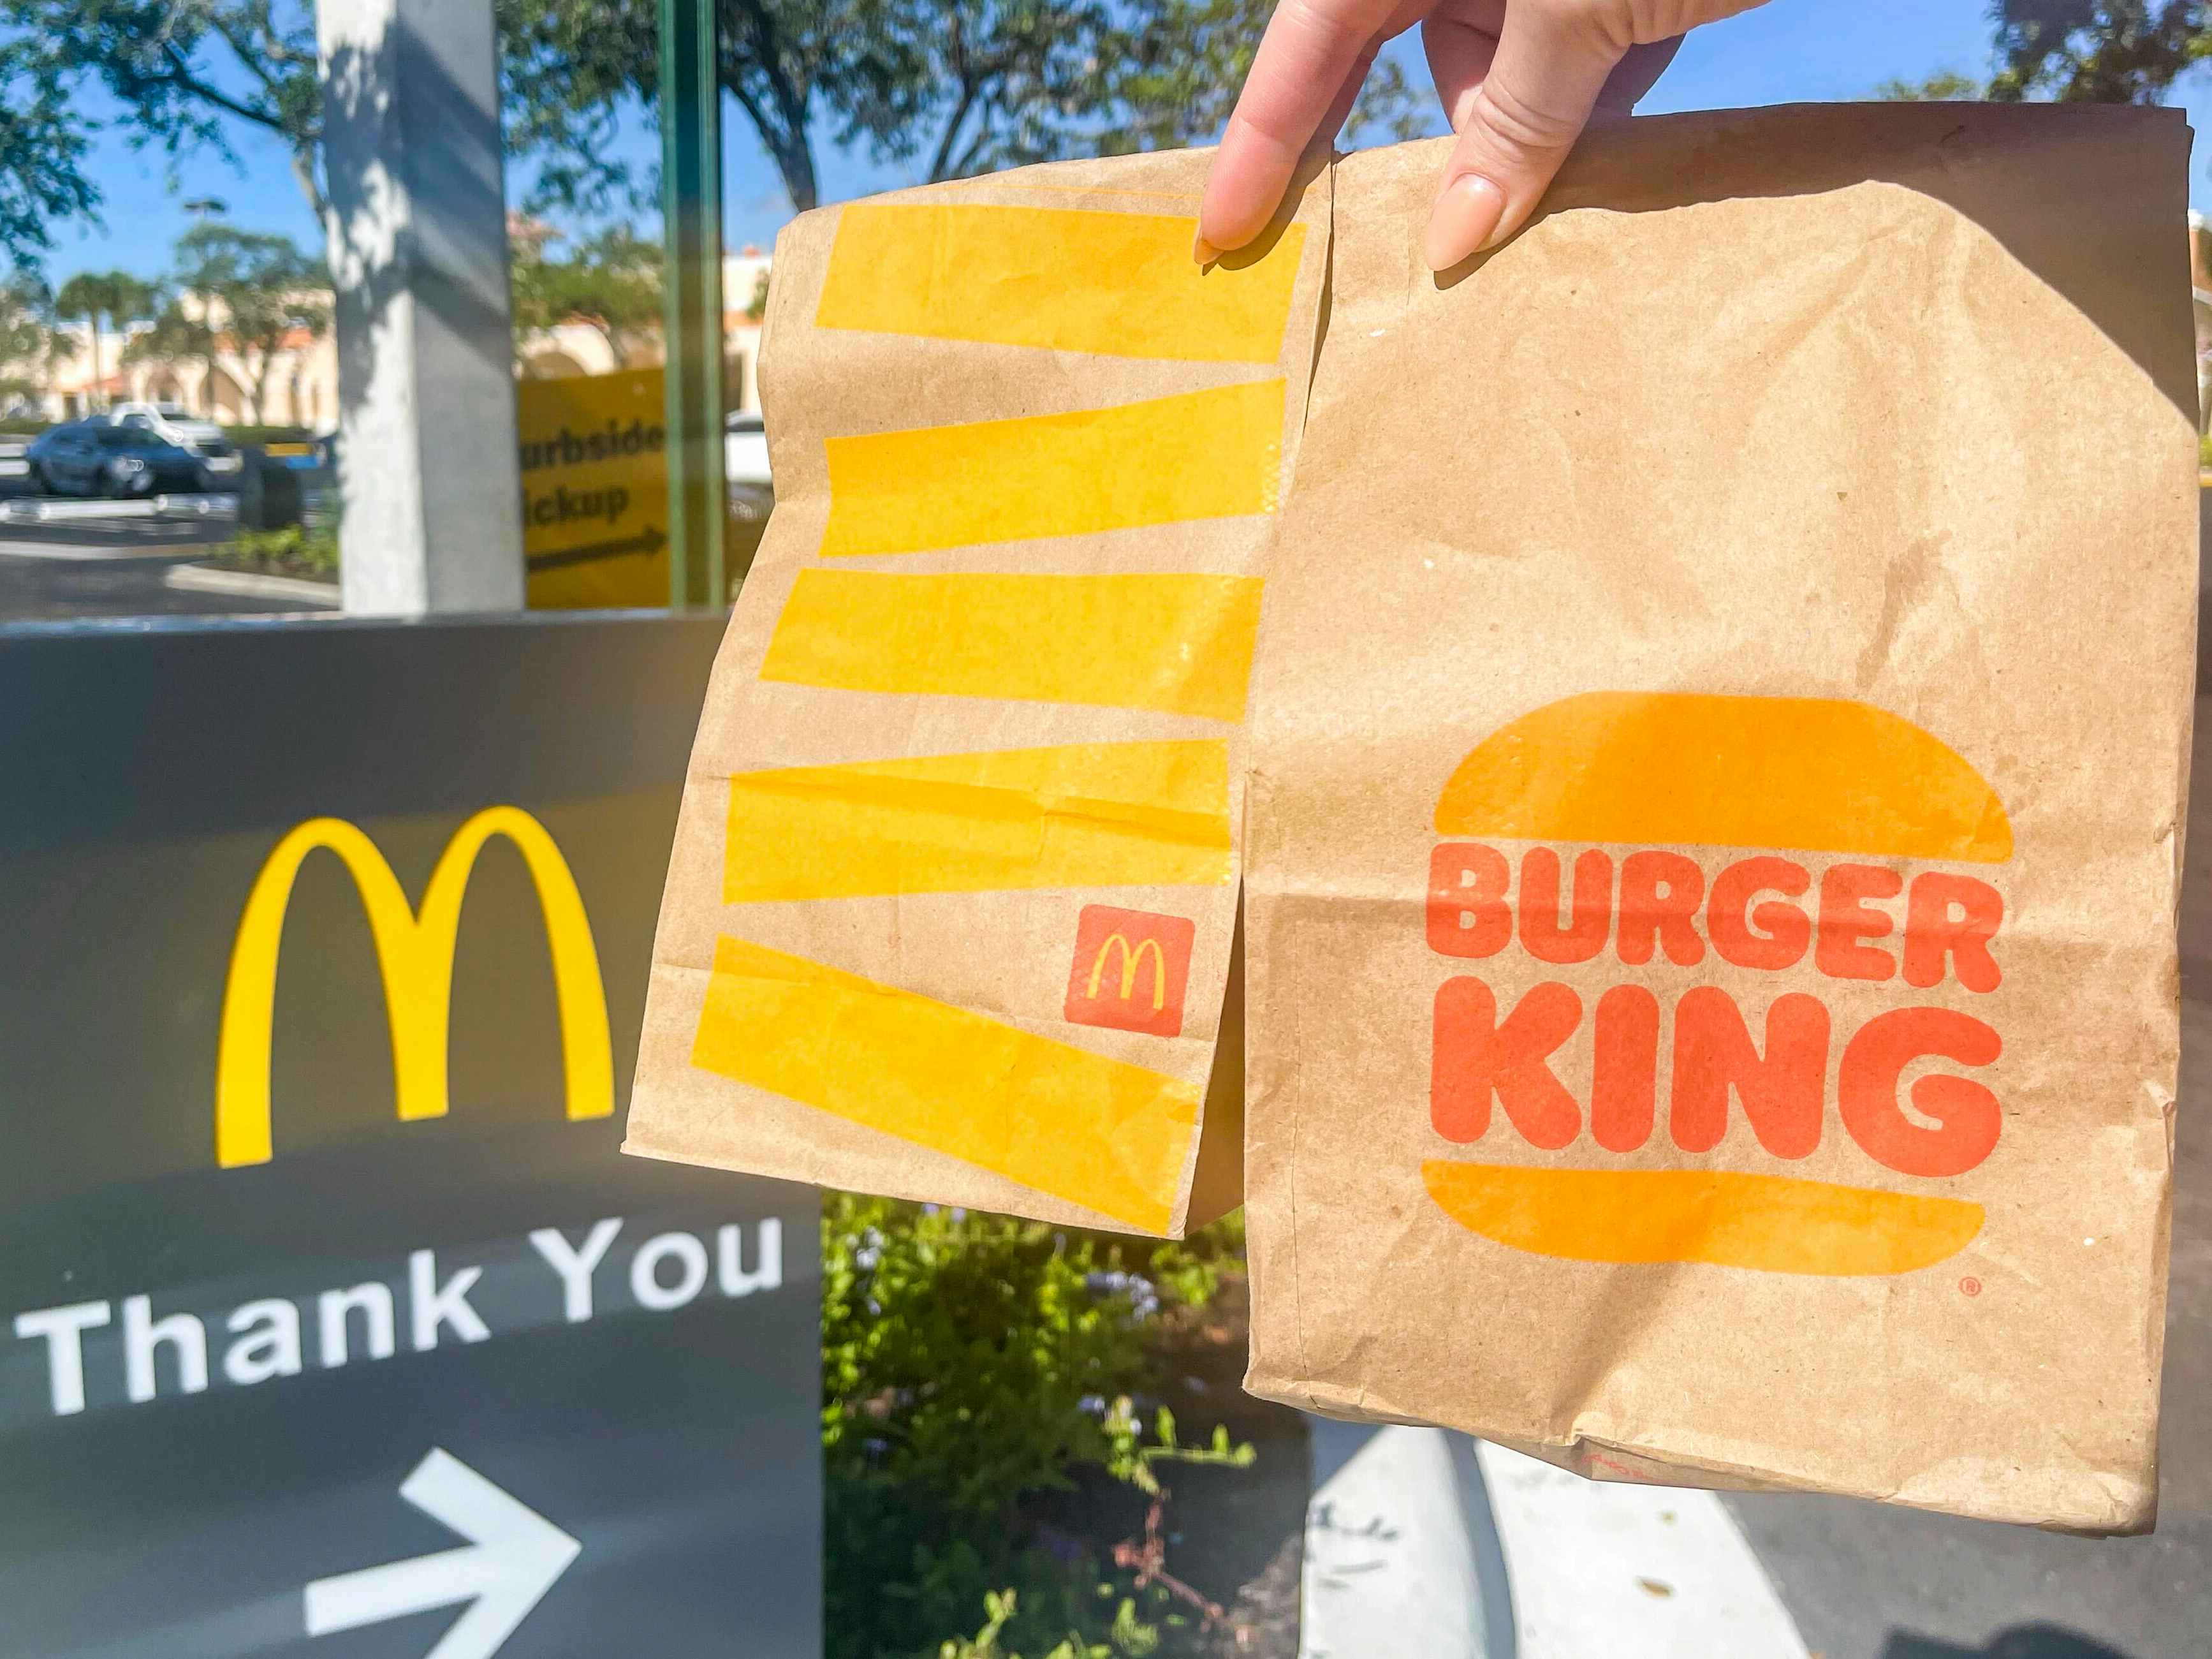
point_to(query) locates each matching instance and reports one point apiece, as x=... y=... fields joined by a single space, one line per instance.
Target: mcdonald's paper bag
x=954 y=891
x=1718 y=769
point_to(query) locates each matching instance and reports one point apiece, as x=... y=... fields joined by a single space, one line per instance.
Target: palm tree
x=114 y=295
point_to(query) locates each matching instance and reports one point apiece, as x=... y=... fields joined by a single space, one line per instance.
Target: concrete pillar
x=418 y=253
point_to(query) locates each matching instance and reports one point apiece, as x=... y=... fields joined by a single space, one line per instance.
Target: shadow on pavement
x=2021 y=1642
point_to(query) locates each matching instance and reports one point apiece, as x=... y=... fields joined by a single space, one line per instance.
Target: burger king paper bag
x=1719 y=767
x=954 y=891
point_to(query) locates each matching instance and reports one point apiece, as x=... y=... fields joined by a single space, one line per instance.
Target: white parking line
x=69 y=553
x=45 y=509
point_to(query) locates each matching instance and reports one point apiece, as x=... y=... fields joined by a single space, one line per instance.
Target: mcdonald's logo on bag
x=1130 y=970
x=415 y=952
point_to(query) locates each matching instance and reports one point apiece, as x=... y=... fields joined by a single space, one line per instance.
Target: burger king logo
x=1569 y=836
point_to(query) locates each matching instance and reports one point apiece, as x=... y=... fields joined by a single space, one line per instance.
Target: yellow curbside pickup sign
x=595 y=489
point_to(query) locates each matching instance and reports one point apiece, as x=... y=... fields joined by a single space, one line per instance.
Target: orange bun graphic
x=1799 y=773
x=1778 y=775
x=1776 y=1223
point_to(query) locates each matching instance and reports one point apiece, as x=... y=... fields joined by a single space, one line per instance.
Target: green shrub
x=303 y=550
x=972 y=1366
x=1128 y=1638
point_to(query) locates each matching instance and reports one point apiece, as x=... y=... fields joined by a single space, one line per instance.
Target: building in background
x=300 y=387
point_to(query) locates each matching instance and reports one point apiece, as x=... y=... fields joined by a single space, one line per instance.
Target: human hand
x=1520 y=80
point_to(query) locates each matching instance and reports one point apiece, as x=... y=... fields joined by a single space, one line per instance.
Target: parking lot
x=63 y=558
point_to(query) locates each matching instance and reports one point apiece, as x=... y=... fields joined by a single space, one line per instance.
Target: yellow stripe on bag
x=1078 y=816
x=1180 y=644
x=1120 y=284
x=1215 y=454
x=1095 y=1131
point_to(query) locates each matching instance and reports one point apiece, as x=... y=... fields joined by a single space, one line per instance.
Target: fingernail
x=1204 y=251
x=1462 y=220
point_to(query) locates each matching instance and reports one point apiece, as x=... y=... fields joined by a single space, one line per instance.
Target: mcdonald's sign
x=415 y=952
x=1130 y=970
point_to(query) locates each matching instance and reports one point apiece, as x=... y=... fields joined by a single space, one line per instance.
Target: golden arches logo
x=415 y=951
x=1130 y=961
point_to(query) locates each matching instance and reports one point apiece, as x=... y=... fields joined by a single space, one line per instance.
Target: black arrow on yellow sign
x=649 y=540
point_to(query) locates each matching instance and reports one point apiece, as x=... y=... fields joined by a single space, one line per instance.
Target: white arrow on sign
x=512 y=1558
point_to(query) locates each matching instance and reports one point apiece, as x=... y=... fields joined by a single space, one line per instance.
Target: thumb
x=1551 y=64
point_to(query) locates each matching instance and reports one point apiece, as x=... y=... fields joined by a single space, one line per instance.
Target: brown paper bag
x=1718 y=774
x=954 y=889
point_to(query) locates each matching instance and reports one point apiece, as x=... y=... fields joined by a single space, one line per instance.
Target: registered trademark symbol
x=1971 y=1285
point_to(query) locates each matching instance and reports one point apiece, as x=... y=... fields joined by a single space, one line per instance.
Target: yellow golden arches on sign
x=415 y=951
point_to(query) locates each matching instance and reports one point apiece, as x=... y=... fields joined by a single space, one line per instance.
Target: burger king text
x=1762 y=912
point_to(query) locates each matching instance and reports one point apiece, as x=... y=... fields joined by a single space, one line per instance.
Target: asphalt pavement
x=77 y=568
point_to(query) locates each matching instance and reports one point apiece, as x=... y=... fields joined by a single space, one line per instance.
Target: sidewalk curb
x=250 y=584
x=1425 y=1544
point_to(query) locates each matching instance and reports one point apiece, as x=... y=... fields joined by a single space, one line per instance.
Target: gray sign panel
x=332 y=1323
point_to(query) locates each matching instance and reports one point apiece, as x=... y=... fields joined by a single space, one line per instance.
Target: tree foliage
x=42 y=150
x=2097 y=50
x=102 y=301
x=184 y=71
x=260 y=291
x=949 y=87
x=1944 y=86
x=611 y=281
x=180 y=333
x=30 y=345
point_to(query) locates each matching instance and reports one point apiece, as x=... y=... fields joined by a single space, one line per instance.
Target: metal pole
x=691 y=204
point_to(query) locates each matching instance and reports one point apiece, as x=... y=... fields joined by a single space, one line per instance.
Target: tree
x=42 y=149
x=963 y=86
x=960 y=86
x=612 y=281
x=1181 y=67
x=2097 y=50
x=1944 y=86
x=182 y=72
x=259 y=292
x=29 y=344
x=180 y=334
x=111 y=296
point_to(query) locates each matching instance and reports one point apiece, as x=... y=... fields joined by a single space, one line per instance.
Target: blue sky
x=1784 y=52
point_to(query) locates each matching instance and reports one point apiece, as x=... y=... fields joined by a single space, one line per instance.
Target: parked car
x=94 y=458
x=744 y=450
x=751 y=487
x=203 y=438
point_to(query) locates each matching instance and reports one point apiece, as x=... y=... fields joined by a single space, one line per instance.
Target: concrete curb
x=250 y=584
x=1425 y=1545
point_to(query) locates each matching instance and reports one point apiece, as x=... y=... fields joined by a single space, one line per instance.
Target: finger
x=1632 y=77
x=1298 y=75
x=1543 y=82
x=1348 y=95
x=1460 y=53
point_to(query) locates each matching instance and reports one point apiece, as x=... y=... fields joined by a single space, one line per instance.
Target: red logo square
x=1131 y=969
